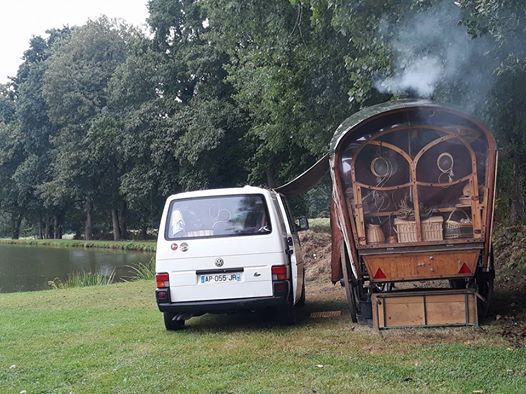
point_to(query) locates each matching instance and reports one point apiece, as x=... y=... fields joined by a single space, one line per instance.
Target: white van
x=225 y=250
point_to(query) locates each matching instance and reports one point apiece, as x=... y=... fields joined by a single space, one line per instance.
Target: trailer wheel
x=286 y=314
x=352 y=287
x=457 y=283
x=354 y=301
x=484 y=282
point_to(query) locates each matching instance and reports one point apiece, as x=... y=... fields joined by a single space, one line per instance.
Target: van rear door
x=294 y=244
x=219 y=247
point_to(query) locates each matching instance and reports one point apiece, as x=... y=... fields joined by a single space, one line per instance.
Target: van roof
x=221 y=192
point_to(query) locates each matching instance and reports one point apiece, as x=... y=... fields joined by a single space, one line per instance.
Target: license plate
x=220 y=278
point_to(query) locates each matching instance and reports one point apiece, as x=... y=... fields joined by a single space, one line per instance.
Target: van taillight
x=280 y=272
x=162 y=280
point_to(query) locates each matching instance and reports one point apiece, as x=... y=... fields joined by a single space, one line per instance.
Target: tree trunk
x=40 y=227
x=518 y=203
x=46 y=229
x=55 y=227
x=88 y=228
x=144 y=232
x=271 y=182
x=123 y=225
x=60 y=225
x=115 y=222
x=16 y=222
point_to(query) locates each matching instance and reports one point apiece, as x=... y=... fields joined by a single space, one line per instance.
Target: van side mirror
x=301 y=223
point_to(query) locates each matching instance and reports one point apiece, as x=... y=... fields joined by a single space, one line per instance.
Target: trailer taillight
x=379 y=274
x=464 y=269
x=163 y=280
x=280 y=272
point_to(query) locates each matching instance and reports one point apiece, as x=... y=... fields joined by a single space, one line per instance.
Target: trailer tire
x=350 y=285
x=457 y=283
x=485 y=282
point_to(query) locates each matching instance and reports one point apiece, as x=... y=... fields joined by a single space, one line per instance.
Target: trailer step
x=429 y=308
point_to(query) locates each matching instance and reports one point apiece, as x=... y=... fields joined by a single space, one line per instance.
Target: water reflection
x=24 y=268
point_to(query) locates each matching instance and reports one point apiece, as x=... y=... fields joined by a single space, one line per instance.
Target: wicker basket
x=375 y=234
x=456 y=229
x=431 y=229
x=405 y=230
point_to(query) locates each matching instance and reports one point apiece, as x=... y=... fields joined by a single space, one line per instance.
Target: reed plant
x=142 y=271
x=82 y=279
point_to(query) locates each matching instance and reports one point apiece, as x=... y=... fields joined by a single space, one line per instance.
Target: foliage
x=103 y=122
x=320 y=225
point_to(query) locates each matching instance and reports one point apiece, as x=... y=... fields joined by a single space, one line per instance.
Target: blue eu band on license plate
x=220 y=278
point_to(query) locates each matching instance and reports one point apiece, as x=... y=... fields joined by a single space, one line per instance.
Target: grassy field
x=322 y=225
x=111 y=339
x=142 y=246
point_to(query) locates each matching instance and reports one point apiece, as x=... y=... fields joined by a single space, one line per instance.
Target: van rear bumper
x=210 y=306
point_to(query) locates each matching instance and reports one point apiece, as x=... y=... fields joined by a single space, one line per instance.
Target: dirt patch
x=316 y=248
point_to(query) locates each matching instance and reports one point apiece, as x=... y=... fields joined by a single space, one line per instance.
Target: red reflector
x=380 y=274
x=280 y=272
x=464 y=269
x=162 y=280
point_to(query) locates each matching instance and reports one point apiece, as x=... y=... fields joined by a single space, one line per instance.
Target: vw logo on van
x=219 y=262
x=184 y=246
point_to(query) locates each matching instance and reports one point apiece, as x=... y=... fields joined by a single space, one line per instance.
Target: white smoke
x=432 y=49
x=419 y=76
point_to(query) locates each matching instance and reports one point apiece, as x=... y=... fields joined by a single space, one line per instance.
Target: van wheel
x=286 y=314
x=171 y=324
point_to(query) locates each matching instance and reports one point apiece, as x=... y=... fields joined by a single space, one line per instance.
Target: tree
x=287 y=66
x=11 y=155
x=75 y=90
x=203 y=124
x=36 y=129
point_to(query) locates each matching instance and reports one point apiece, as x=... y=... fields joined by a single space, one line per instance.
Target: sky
x=22 y=19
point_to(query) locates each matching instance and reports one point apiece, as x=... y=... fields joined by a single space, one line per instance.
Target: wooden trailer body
x=413 y=197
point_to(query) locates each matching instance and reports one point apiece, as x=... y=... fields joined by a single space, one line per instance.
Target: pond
x=28 y=268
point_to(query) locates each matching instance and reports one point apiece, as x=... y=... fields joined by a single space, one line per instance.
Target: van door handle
x=257 y=274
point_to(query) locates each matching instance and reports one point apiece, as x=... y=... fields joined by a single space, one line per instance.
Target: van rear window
x=218 y=216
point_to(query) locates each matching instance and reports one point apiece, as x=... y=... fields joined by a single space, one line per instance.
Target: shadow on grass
x=508 y=312
x=265 y=320
x=509 y=301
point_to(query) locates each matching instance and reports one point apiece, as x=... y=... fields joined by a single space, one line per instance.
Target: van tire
x=171 y=324
x=287 y=316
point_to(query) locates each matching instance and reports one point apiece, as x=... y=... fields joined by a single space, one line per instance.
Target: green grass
x=111 y=339
x=144 y=246
x=320 y=225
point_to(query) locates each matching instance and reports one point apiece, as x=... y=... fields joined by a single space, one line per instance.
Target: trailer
x=412 y=214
